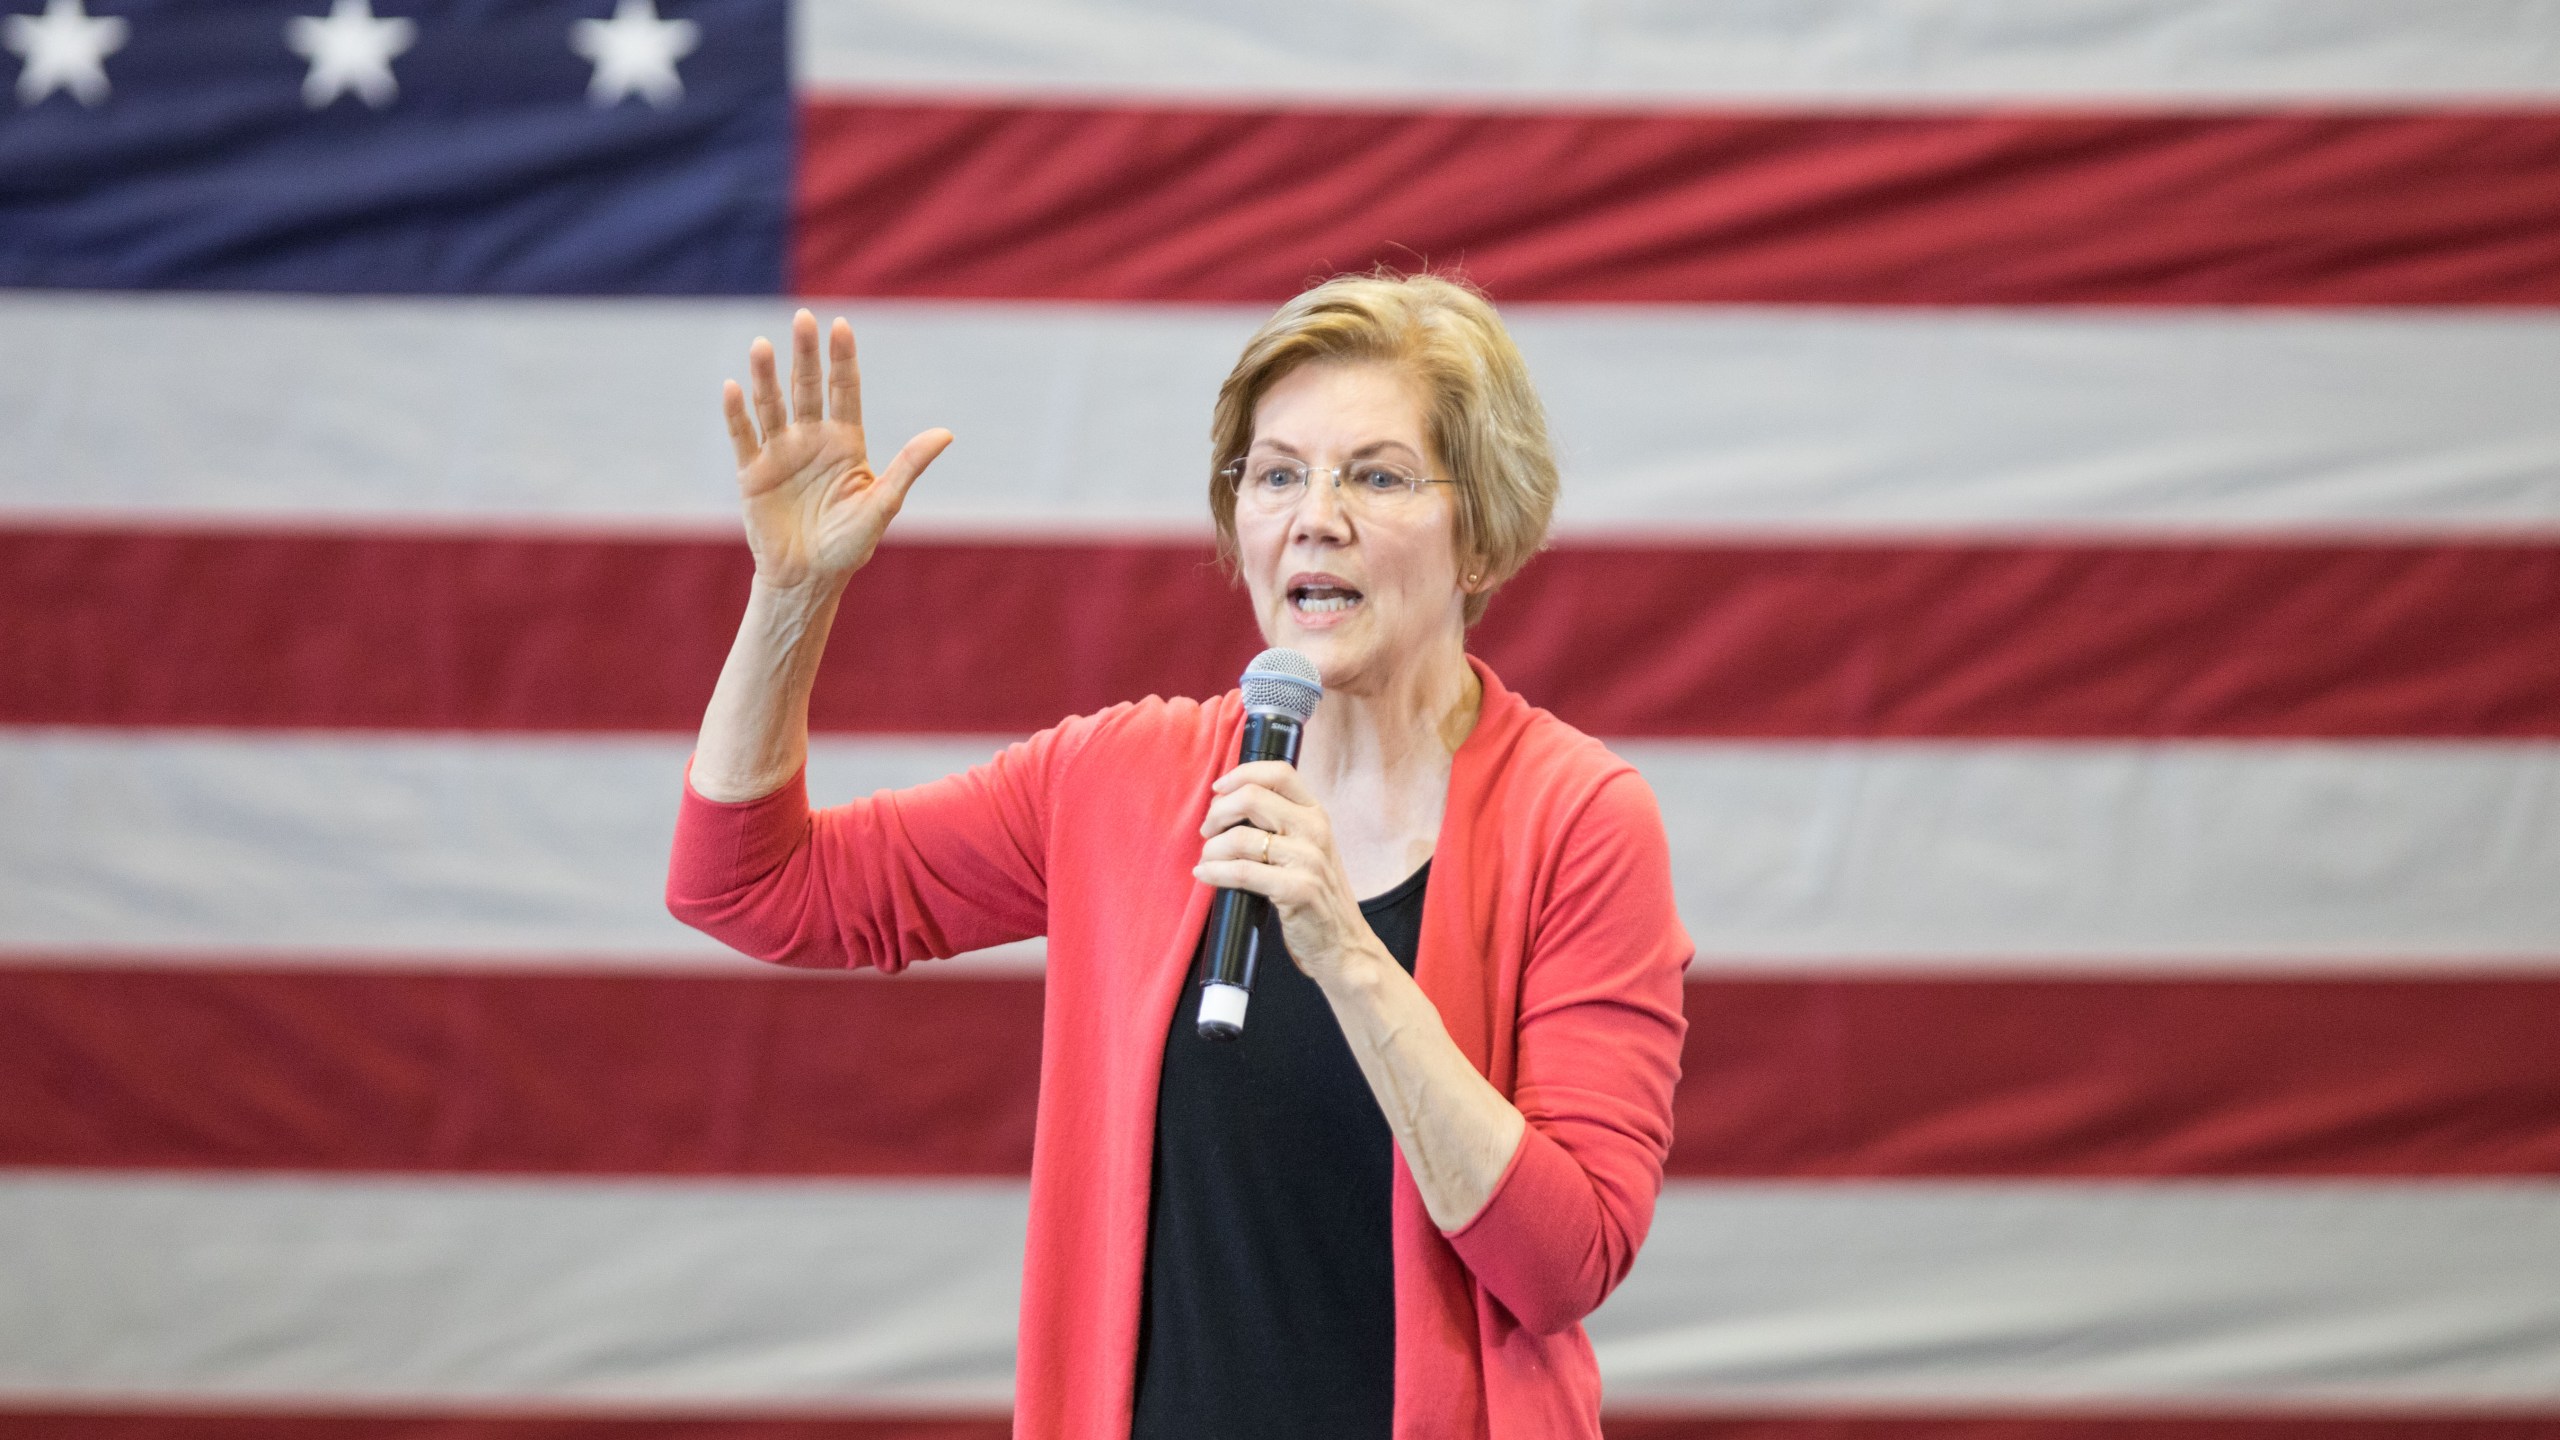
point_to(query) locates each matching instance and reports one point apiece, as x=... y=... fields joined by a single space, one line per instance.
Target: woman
x=1386 y=1208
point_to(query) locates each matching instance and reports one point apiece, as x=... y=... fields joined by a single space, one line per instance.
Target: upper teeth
x=1326 y=597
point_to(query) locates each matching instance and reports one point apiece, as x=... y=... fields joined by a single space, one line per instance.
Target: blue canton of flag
x=391 y=146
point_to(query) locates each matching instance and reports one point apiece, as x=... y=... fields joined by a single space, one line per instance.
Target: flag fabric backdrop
x=2062 y=501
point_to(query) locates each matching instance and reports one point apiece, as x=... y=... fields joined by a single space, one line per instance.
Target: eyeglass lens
x=1276 y=484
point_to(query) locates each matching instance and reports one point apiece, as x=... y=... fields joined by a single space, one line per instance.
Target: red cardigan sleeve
x=956 y=864
x=1598 y=1056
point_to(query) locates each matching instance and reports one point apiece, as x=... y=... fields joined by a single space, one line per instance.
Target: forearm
x=1456 y=1131
x=755 y=732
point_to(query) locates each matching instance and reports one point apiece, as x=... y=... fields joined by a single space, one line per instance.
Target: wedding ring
x=1266 y=847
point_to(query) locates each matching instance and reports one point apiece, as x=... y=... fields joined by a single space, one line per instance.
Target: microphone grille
x=1281 y=679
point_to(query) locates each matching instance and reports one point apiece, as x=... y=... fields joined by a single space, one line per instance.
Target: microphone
x=1281 y=689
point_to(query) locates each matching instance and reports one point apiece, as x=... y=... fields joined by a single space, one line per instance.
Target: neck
x=1401 y=730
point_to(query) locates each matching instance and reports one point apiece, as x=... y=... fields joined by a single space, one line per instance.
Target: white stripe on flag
x=2024 y=853
x=2014 y=855
x=1093 y=419
x=1847 y=52
x=444 y=850
x=1955 y=1293
x=132 y=1289
x=879 y=1294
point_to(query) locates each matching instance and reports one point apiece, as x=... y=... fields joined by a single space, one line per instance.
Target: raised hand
x=815 y=509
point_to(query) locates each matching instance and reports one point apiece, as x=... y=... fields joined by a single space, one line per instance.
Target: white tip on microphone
x=1222 y=1010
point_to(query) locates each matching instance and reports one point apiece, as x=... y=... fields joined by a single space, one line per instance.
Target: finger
x=1243 y=843
x=1263 y=880
x=1225 y=813
x=742 y=431
x=1257 y=807
x=1277 y=776
x=768 y=389
x=844 y=381
x=910 y=463
x=807 y=383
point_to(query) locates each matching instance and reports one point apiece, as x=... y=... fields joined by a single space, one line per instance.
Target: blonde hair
x=1481 y=414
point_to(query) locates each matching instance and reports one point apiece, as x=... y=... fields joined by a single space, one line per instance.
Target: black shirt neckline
x=1398 y=893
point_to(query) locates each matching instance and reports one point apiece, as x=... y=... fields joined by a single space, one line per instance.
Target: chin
x=1327 y=648
x=1346 y=667
x=1317 y=645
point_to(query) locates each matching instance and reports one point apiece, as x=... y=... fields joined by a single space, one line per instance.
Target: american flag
x=2062 y=502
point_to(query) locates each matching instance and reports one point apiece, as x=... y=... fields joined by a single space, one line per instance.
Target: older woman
x=1386 y=1209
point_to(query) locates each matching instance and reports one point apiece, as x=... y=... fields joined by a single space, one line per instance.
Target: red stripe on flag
x=1162 y=202
x=119 y=627
x=1903 y=1077
x=1958 y=640
x=771 y=1073
x=785 y=1074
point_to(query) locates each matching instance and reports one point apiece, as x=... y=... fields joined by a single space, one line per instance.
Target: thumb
x=910 y=463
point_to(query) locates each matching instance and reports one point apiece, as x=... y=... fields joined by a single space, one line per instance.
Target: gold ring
x=1266 y=847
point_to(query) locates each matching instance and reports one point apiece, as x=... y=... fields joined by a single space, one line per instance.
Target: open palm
x=815 y=509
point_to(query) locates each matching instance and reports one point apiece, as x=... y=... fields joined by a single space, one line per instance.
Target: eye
x=1275 y=474
x=1378 y=478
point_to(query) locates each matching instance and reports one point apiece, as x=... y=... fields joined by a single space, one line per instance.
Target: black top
x=1270 y=1301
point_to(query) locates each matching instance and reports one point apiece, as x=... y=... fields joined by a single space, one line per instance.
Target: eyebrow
x=1369 y=451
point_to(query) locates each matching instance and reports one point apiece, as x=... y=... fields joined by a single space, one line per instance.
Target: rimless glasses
x=1273 y=483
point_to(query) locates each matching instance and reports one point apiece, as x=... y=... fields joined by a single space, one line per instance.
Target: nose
x=1322 y=510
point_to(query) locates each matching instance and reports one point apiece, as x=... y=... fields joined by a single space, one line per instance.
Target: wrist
x=785 y=617
x=805 y=596
x=1362 y=970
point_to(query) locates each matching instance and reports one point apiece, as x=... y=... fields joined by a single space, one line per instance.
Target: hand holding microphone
x=1281 y=688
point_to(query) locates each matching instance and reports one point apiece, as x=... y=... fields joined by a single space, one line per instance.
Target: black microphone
x=1281 y=689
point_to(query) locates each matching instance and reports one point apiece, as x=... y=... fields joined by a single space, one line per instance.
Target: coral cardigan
x=1549 y=944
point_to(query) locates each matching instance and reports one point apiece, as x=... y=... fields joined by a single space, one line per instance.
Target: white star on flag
x=635 y=53
x=349 y=50
x=64 y=50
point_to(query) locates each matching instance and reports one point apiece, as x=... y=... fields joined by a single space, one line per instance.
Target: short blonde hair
x=1481 y=413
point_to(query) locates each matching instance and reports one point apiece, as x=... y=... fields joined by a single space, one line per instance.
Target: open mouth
x=1323 y=598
